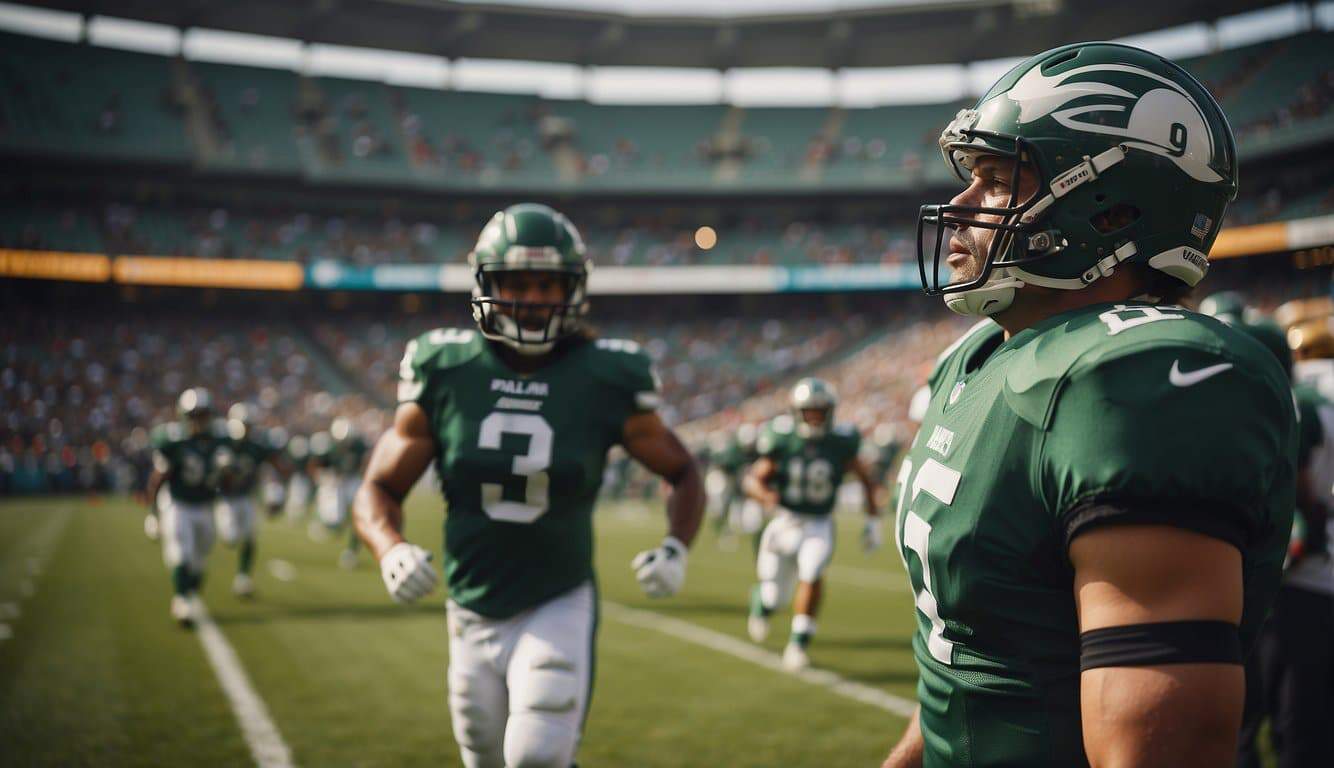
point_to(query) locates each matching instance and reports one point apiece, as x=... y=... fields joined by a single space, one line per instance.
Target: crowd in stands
x=704 y=364
x=80 y=392
x=367 y=239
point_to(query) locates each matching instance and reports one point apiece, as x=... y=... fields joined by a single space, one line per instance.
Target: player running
x=338 y=456
x=803 y=457
x=517 y=416
x=239 y=458
x=182 y=489
x=1094 y=513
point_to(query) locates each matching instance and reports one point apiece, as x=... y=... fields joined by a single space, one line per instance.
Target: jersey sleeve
x=427 y=356
x=629 y=382
x=1172 y=436
x=769 y=442
x=163 y=444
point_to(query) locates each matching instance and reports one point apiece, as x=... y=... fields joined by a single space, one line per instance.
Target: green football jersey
x=188 y=461
x=1110 y=413
x=350 y=455
x=239 y=461
x=521 y=458
x=809 y=470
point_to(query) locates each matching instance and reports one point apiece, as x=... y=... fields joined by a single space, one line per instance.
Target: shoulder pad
x=975 y=335
x=846 y=430
x=624 y=364
x=447 y=347
x=1107 y=344
x=437 y=350
x=165 y=434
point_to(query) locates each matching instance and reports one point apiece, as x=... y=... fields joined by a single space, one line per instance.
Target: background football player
x=300 y=486
x=803 y=457
x=1288 y=677
x=1095 y=511
x=243 y=451
x=338 y=456
x=182 y=489
x=518 y=415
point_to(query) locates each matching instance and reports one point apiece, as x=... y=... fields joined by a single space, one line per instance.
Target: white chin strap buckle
x=1106 y=266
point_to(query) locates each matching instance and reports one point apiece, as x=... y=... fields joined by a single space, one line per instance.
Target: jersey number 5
x=532 y=466
x=940 y=482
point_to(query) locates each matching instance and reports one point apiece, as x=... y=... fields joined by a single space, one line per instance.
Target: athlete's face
x=993 y=186
x=815 y=417
x=535 y=287
x=198 y=422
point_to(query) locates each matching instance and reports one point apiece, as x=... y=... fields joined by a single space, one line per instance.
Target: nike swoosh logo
x=1194 y=377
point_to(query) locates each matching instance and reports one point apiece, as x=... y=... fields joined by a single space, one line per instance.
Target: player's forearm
x=685 y=504
x=378 y=515
x=154 y=484
x=908 y=752
x=758 y=489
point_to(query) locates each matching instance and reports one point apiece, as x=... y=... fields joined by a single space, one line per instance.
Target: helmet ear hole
x=1115 y=218
x=1057 y=61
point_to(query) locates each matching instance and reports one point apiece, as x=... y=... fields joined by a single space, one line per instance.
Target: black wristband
x=1168 y=642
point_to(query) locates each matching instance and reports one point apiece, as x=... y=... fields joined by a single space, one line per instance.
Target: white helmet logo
x=1164 y=120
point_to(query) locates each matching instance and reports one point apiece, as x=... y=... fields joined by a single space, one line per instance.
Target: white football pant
x=519 y=687
x=298 y=497
x=186 y=530
x=793 y=548
x=236 y=519
x=333 y=498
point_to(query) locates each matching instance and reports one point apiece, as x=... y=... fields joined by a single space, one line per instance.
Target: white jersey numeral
x=532 y=466
x=809 y=482
x=941 y=483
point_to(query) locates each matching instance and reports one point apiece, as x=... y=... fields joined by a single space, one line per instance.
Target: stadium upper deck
x=75 y=101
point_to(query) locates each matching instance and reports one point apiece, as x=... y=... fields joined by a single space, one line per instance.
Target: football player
x=803 y=457
x=182 y=488
x=1095 y=511
x=339 y=455
x=1288 y=678
x=240 y=456
x=299 y=486
x=726 y=462
x=517 y=415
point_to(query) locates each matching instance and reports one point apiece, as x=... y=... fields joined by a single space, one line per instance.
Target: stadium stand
x=63 y=98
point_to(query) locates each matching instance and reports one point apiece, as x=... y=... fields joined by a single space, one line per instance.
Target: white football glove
x=873 y=536
x=661 y=571
x=407 y=572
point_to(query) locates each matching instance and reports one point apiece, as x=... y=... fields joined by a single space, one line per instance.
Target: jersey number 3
x=940 y=482
x=532 y=466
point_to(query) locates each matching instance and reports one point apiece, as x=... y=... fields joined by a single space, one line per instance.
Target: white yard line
x=717 y=641
x=266 y=743
x=41 y=543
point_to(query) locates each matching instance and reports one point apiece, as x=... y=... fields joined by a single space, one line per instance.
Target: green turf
x=96 y=674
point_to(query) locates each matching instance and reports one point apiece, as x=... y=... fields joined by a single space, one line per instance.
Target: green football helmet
x=811 y=394
x=521 y=238
x=195 y=408
x=1114 y=134
x=1224 y=305
x=240 y=419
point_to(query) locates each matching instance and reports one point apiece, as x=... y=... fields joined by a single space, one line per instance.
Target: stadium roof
x=907 y=33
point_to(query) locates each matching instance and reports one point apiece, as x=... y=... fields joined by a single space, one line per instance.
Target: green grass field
x=93 y=672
